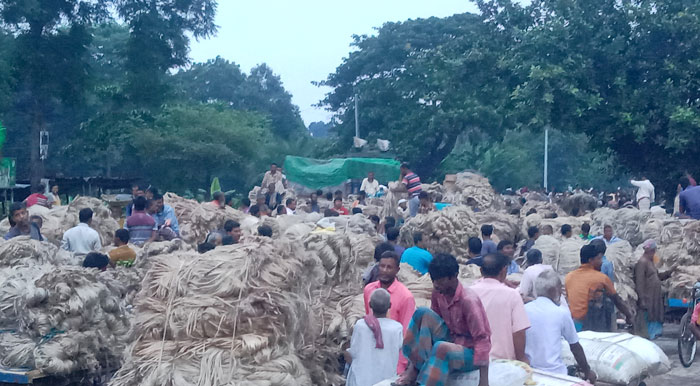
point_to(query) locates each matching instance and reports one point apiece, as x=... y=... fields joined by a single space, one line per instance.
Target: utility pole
x=546 y=155
x=357 y=121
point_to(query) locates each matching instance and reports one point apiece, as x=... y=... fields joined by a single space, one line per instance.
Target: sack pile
x=579 y=202
x=569 y=255
x=627 y=223
x=550 y=247
x=505 y=226
x=623 y=258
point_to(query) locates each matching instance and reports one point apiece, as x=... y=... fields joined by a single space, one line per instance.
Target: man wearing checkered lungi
x=453 y=335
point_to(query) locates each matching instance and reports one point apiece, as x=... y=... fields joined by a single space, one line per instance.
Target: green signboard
x=7 y=172
x=317 y=174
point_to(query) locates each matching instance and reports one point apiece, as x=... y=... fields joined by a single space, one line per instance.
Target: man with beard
x=402 y=302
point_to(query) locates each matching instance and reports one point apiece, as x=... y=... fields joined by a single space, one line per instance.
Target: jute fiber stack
x=447 y=230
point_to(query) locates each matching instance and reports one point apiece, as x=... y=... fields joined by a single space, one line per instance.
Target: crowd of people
x=465 y=326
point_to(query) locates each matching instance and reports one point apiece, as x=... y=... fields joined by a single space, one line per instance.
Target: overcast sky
x=305 y=40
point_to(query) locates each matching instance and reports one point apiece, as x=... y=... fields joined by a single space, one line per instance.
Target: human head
x=475 y=245
x=85 y=215
x=338 y=203
x=233 y=228
x=260 y=200
x=392 y=234
x=389 y=222
x=608 y=232
x=291 y=204
x=39 y=188
x=405 y=168
x=151 y=207
x=151 y=192
x=486 y=230
x=330 y=213
x=589 y=255
x=506 y=247
x=495 y=266
x=245 y=203
x=548 y=284
x=547 y=230
x=533 y=232
x=134 y=189
x=121 y=237
x=356 y=210
x=319 y=193
x=265 y=230
x=599 y=245
x=273 y=168
x=649 y=247
x=424 y=197
x=254 y=210
x=586 y=229
x=140 y=203
x=362 y=195
x=389 y=263
x=37 y=220
x=370 y=176
x=380 y=302
x=329 y=196
x=403 y=203
x=375 y=220
x=264 y=210
x=281 y=209
x=219 y=197
x=443 y=270
x=684 y=182
x=54 y=189
x=380 y=249
x=566 y=230
x=418 y=240
x=18 y=214
x=96 y=260
x=313 y=197
x=534 y=256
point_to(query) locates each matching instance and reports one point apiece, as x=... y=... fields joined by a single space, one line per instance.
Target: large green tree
x=421 y=84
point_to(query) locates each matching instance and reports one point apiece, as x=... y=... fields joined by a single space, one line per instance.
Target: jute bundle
x=420 y=285
x=343 y=256
x=447 y=230
x=14 y=284
x=682 y=279
x=627 y=223
x=358 y=224
x=24 y=251
x=623 y=258
x=691 y=239
x=550 y=247
x=197 y=220
x=231 y=316
x=543 y=208
x=580 y=202
x=67 y=320
x=569 y=255
x=556 y=223
x=505 y=226
x=391 y=201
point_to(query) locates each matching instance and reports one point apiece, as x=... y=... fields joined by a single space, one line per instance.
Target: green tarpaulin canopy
x=317 y=174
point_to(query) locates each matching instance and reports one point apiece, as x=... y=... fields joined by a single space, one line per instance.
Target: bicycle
x=687 y=343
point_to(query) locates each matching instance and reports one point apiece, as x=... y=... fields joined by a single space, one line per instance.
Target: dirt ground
x=679 y=375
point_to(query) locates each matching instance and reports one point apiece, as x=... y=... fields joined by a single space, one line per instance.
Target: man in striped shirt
x=410 y=182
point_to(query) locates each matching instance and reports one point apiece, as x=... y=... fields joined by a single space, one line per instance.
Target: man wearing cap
x=402 y=209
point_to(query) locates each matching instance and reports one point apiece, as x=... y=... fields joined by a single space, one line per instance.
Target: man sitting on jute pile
x=453 y=335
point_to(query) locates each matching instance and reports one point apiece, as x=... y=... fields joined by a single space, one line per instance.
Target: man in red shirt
x=339 y=208
x=38 y=198
x=402 y=302
x=453 y=335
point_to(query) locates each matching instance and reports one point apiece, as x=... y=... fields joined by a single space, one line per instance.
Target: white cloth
x=646 y=189
x=543 y=343
x=371 y=365
x=81 y=240
x=527 y=282
x=290 y=211
x=644 y=203
x=371 y=188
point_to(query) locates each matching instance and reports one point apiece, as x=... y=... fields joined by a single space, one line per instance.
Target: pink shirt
x=467 y=321
x=403 y=305
x=506 y=313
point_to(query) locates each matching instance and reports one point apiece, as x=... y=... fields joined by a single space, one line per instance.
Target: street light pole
x=546 y=155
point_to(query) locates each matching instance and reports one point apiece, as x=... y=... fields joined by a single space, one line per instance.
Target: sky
x=305 y=40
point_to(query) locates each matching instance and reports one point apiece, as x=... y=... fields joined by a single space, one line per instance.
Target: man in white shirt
x=543 y=344
x=291 y=206
x=82 y=239
x=375 y=344
x=645 y=193
x=370 y=185
x=534 y=269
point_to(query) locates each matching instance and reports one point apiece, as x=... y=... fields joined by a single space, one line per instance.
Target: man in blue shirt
x=487 y=245
x=165 y=215
x=417 y=256
x=607 y=268
x=507 y=248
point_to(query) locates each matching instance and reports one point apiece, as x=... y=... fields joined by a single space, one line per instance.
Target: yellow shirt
x=122 y=256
